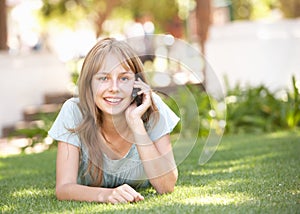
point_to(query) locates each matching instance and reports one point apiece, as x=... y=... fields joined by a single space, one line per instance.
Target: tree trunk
x=102 y=16
x=203 y=20
x=3 y=26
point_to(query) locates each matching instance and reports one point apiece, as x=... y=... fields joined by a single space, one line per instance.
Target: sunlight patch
x=6 y=209
x=27 y=193
x=217 y=200
x=294 y=192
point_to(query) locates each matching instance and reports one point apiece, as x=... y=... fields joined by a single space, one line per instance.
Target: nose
x=114 y=85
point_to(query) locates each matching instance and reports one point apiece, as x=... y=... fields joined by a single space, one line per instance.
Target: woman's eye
x=102 y=78
x=124 y=79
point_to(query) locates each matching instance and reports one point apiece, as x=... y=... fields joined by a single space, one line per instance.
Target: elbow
x=166 y=190
x=59 y=193
x=168 y=186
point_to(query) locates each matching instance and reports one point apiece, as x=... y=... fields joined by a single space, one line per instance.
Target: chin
x=115 y=111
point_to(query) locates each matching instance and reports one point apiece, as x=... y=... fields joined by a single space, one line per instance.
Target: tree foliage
x=161 y=11
x=97 y=11
x=255 y=9
x=241 y=9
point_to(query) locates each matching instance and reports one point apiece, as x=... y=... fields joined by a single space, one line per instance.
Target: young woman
x=109 y=144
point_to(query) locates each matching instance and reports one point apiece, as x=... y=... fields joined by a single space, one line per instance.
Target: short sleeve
x=69 y=117
x=167 y=120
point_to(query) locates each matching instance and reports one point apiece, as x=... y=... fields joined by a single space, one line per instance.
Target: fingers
x=124 y=194
x=135 y=111
x=136 y=195
x=144 y=88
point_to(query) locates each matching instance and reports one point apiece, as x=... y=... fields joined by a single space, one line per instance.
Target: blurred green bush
x=248 y=110
x=257 y=109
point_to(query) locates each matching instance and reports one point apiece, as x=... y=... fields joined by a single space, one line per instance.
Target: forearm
x=160 y=168
x=81 y=193
x=161 y=173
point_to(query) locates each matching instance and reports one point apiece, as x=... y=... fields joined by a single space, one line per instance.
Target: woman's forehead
x=112 y=62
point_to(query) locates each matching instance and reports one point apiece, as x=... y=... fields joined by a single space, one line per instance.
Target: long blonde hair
x=89 y=128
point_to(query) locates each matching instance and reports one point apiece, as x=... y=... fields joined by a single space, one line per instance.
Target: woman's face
x=112 y=86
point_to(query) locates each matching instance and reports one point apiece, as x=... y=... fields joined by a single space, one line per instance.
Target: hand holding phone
x=138 y=99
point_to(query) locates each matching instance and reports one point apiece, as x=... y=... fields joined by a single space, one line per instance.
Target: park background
x=251 y=46
x=249 y=42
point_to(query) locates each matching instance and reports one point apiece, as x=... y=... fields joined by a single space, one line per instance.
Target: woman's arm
x=67 y=164
x=157 y=157
x=158 y=160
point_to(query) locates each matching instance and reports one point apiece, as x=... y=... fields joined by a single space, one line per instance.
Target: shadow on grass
x=26 y=181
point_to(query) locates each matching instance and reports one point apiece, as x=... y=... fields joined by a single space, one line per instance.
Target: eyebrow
x=105 y=73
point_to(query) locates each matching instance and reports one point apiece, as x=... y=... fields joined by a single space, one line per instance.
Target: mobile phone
x=138 y=99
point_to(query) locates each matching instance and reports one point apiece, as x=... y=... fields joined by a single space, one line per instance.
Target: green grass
x=248 y=174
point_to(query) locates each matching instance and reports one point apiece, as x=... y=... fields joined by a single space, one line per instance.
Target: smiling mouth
x=113 y=101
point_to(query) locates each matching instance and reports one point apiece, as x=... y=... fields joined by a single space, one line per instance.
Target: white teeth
x=113 y=100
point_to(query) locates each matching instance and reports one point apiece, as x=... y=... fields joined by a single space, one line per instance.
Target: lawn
x=249 y=173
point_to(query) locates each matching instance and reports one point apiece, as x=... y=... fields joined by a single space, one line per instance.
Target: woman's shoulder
x=71 y=108
x=157 y=100
x=73 y=101
x=71 y=104
x=166 y=122
x=160 y=103
x=68 y=118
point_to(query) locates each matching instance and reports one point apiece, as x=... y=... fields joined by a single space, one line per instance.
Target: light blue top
x=128 y=169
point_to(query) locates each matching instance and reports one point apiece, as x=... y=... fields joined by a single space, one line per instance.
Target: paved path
x=261 y=52
x=25 y=79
